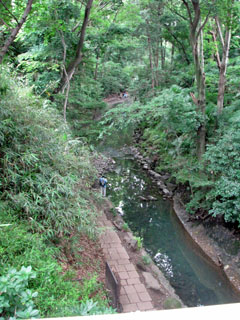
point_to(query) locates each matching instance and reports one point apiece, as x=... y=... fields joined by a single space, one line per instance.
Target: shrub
x=16 y=300
x=45 y=173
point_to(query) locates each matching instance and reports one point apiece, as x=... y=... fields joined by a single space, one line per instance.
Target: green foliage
x=220 y=192
x=84 y=107
x=139 y=242
x=16 y=300
x=169 y=123
x=172 y=303
x=86 y=309
x=146 y=260
x=45 y=193
x=114 y=78
x=19 y=247
x=125 y=226
x=45 y=173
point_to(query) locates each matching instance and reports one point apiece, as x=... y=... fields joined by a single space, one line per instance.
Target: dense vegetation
x=179 y=61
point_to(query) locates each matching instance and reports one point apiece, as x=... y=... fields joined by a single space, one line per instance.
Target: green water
x=194 y=279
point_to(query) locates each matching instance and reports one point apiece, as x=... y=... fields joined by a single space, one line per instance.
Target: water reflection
x=195 y=281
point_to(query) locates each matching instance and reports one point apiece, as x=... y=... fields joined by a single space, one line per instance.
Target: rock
x=161 y=185
x=167 y=192
x=171 y=186
x=148 y=198
x=141 y=266
x=151 y=282
x=151 y=198
x=166 y=176
x=143 y=198
x=139 y=157
x=118 y=225
x=145 y=166
x=132 y=243
x=155 y=175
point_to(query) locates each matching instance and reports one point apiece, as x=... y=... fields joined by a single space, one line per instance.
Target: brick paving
x=133 y=293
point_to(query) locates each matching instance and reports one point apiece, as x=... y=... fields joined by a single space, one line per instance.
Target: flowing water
x=194 y=279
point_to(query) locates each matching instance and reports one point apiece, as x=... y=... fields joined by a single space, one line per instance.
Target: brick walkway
x=133 y=293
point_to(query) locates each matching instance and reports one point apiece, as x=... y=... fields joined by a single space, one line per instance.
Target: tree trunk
x=196 y=40
x=163 y=55
x=15 y=31
x=157 y=65
x=201 y=85
x=172 y=54
x=150 y=55
x=96 y=68
x=223 y=65
x=78 y=56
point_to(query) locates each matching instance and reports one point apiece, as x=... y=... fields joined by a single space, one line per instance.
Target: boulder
x=131 y=242
x=151 y=282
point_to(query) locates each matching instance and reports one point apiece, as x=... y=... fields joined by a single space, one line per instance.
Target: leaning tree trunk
x=15 y=31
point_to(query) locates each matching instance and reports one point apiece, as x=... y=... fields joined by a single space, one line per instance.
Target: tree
x=67 y=76
x=196 y=40
x=15 y=30
x=223 y=32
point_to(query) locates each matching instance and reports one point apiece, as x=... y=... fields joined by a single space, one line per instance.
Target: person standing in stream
x=103 y=185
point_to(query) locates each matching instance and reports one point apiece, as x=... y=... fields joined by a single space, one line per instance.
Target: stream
x=194 y=279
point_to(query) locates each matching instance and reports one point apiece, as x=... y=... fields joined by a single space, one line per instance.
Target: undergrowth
x=45 y=194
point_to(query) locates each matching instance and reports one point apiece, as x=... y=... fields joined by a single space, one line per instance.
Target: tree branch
x=15 y=31
x=219 y=31
x=6 y=8
x=177 y=13
x=4 y=23
x=66 y=76
x=203 y=25
x=195 y=100
x=179 y=42
x=78 y=24
x=217 y=52
x=197 y=16
x=188 y=10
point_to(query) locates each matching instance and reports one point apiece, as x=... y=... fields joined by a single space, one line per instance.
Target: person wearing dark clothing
x=103 y=185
